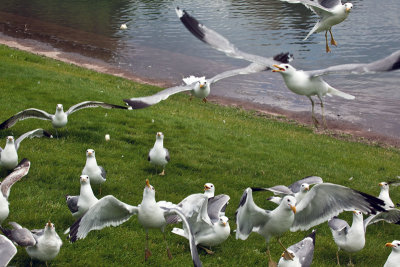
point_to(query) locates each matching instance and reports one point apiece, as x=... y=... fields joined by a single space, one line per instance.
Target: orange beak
x=380 y=184
x=355 y=212
x=206 y=187
x=147 y=183
x=293 y=208
x=279 y=68
x=389 y=245
x=49 y=224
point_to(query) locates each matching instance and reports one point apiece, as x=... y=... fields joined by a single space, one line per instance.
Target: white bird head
x=90 y=153
x=357 y=215
x=384 y=186
x=59 y=107
x=289 y=202
x=284 y=69
x=84 y=179
x=348 y=7
x=209 y=189
x=304 y=187
x=10 y=140
x=149 y=190
x=160 y=136
x=223 y=220
x=203 y=84
x=395 y=245
x=49 y=227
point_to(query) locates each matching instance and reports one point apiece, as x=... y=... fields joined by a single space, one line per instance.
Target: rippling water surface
x=156 y=45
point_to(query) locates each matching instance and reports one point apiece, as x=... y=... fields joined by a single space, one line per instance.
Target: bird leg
x=350 y=263
x=337 y=257
x=46 y=264
x=323 y=113
x=333 y=42
x=208 y=251
x=162 y=173
x=147 y=252
x=205 y=100
x=271 y=263
x=165 y=240
x=191 y=97
x=315 y=121
x=100 y=190
x=287 y=253
x=326 y=40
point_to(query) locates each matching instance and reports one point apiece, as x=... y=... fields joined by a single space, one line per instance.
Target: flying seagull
x=47 y=246
x=78 y=205
x=307 y=83
x=109 y=211
x=9 y=155
x=331 y=12
x=96 y=173
x=394 y=257
x=301 y=252
x=20 y=171
x=159 y=155
x=200 y=86
x=7 y=250
x=60 y=118
x=321 y=203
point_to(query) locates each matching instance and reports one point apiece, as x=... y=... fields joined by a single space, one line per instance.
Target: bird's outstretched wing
x=281 y=190
x=108 y=211
x=19 y=235
x=222 y=44
x=26 y=114
x=319 y=6
x=389 y=63
x=146 y=101
x=192 y=243
x=92 y=104
x=216 y=205
x=190 y=207
x=389 y=216
x=304 y=249
x=31 y=134
x=249 y=215
x=20 y=171
x=7 y=250
x=252 y=68
x=326 y=200
x=295 y=187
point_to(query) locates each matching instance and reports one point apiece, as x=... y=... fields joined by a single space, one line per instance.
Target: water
x=156 y=45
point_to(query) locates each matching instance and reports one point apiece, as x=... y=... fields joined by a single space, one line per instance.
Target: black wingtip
x=312 y=236
x=5 y=125
x=47 y=134
x=192 y=25
x=284 y=57
x=376 y=204
x=24 y=162
x=255 y=189
x=73 y=231
x=396 y=64
x=136 y=104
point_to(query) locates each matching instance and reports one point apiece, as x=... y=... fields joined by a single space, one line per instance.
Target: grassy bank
x=229 y=147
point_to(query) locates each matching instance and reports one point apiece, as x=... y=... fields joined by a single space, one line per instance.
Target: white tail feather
x=336 y=92
x=312 y=31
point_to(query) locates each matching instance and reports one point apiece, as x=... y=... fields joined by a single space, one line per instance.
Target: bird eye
x=286 y=67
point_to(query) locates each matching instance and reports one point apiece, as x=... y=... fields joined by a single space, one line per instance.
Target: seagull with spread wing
x=331 y=12
x=9 y=155
x=20 y=171
x=302 y=253
x=109 y=211
x=7 y=250
x=307 y=83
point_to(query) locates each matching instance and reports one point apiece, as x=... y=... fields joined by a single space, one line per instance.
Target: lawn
x=229 y=147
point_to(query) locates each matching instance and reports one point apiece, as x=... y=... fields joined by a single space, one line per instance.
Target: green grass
x=229 y=147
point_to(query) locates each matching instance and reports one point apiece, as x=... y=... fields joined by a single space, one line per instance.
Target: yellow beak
x=389 y=245
x=348 y=9
x=293 y=208
x=147 y=183
x=49 y=224
x=206 y=188
x=201 y=85
x=279 y=68
x=380 y=184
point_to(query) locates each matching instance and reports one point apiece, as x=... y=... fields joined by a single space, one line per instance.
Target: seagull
x=199 y=86
x=301 y=252
x=20 y=171
x=123 y=26
x=78 y=205
x=60 y=118
x=209 y=190
x=308 y=83
x=331 y=12
x=208 y=226
x=7 y=250
x=96 y=173
x=384 y=195
x=109 y=211
x=321 y=203
x=350 y=239
x=394 y=257
x=9 y=155
x=19 y=235
x=159 y=155
x=47 y=246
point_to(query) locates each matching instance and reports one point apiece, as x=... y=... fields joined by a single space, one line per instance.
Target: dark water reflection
x=156 y=45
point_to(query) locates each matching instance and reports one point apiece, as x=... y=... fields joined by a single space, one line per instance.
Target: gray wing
x=319 y=7
x=34 y=133
x=390 y=216
x=167 y=157
x=222 y=44
x=252 y=68
x=21 y=236
x=388 y=63
x=295 y=187
x=216 y=205
x=103 y=172
x=108 y=211
x=188 y=227
x=190 y=207
x=304 y=250
x=92 y=104
x=281 y=190
x=20 y=171
x=338 y=225
x=7 y=250
x=326 y=200
x=146 y=101
x=26 y=114
x=72 y=203
x=249 y=215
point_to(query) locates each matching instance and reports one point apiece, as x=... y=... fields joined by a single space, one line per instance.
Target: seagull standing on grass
x=96 y=173
x=7 y=250
x=59 y=119
x=159 y=155
x=331 y=12
x=394 y=257
x=384 y=195
x=5 y=186
x=47 y=246
x=9 y=155
x=321 y=203
x=78 y=205
x=307 y=83
x=301 y=252
x=109 y=211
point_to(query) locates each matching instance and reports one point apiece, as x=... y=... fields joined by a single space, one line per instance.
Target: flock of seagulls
x=300 y=206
